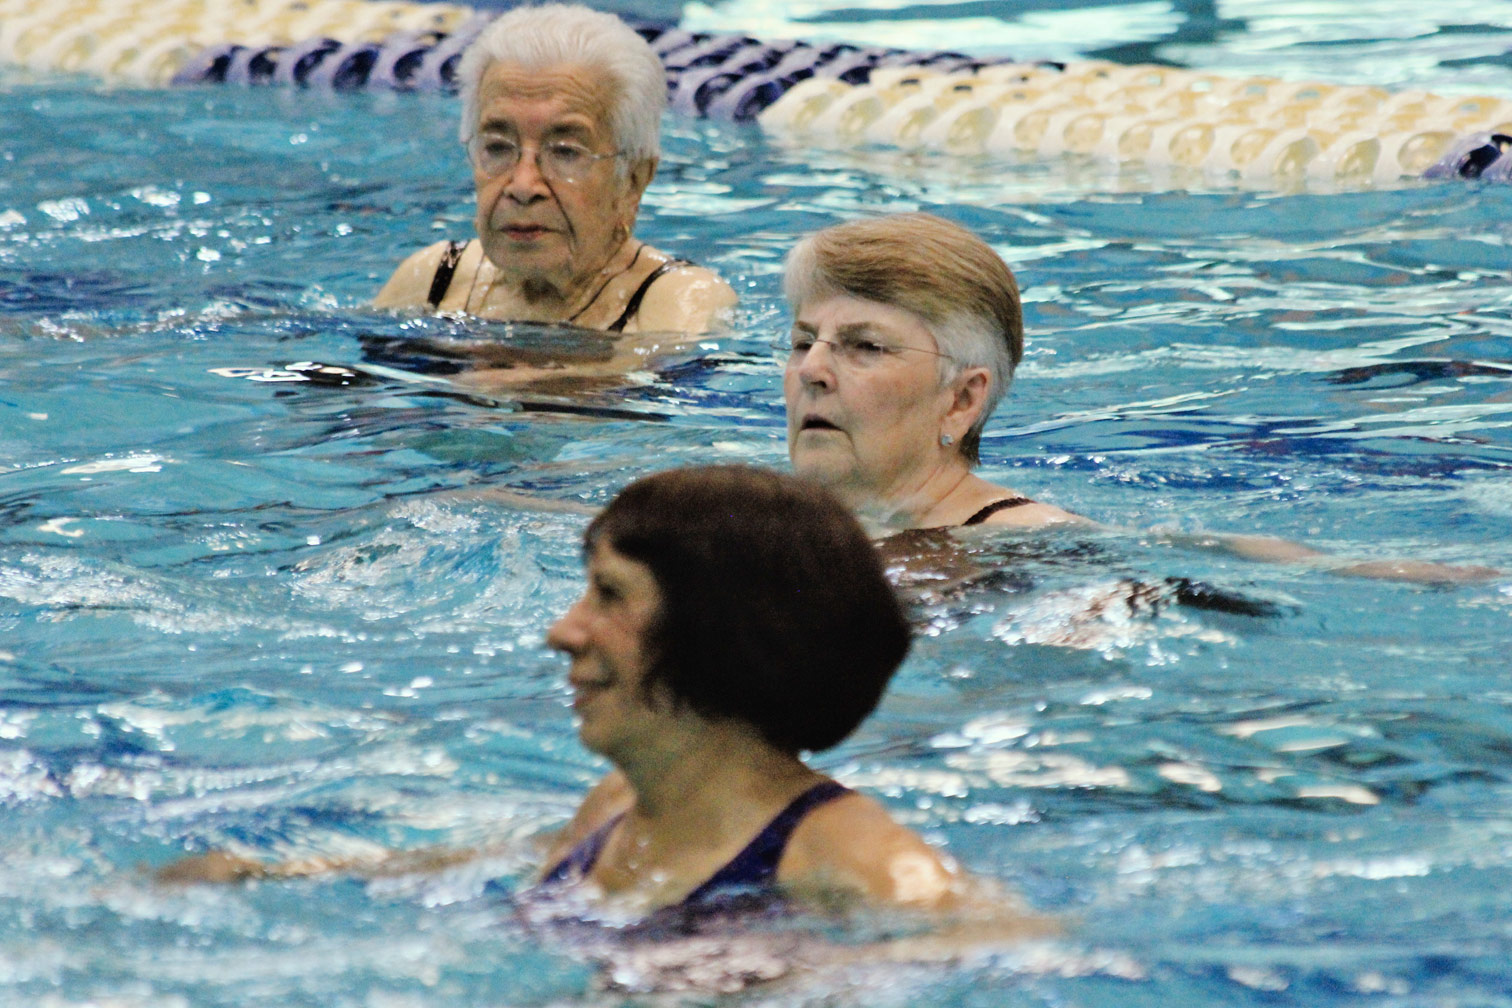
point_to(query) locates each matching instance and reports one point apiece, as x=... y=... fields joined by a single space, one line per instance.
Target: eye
x=493 y=148
x=566 y=154
x=606 y=591
x=801 y=343
x=860 y=346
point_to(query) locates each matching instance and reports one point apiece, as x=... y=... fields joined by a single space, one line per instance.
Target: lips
x=584 y=690
x=815 y=422
x=523 y=232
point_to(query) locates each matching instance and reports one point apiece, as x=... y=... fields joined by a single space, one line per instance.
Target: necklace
x=482 y=259
x=467 y=301
x=605 y=285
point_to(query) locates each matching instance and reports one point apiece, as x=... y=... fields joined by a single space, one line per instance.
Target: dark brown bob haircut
x=774 y=607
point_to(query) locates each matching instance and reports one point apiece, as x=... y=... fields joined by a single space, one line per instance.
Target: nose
x=566 y=634
x=525 y=182
x=817 y=366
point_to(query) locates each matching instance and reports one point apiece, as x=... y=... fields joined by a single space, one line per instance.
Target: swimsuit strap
x=445 y=270
x=995 y=507
x=756 y=866
x=633 y=306
x=581 y=859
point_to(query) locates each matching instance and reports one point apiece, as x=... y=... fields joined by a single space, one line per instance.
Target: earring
x=946 y=439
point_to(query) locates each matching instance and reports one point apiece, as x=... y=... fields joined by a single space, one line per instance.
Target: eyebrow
x=495 y=125
x=575 y=130
x=849 y=329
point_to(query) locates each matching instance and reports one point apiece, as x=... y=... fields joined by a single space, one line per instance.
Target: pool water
x=284 y=617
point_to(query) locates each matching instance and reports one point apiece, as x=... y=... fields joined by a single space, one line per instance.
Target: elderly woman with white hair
x=561 y=110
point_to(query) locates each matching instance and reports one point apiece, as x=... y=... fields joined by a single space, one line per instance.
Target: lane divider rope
x=1256 y=130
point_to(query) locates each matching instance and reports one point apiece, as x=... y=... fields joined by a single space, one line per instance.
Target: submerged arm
x=220 y=867
x=1272 y=550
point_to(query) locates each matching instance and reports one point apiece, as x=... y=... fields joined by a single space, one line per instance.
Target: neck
x=562 y=298
x=676 y=785
x=920 y=499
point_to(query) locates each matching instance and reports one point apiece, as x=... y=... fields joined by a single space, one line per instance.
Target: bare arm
x=1272 y=550
x=219 y=867
x=222 y=867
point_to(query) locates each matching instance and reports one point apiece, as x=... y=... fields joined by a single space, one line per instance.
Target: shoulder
x=1018 y=509
x=685 y=298
x=409 y=286
x=604 y=800
x=1034 y=514
x=853 y=847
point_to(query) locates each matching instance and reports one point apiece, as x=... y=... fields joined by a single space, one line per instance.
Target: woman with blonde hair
x=906 y=333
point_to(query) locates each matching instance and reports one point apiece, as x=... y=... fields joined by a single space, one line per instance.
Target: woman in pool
x=561 y=112
x=906 y=333
x=734 y=618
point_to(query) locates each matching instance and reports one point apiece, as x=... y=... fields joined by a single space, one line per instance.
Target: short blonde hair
x=556 y=34
x=938 y=270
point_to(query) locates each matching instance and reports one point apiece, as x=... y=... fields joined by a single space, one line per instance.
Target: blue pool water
x=280 y=618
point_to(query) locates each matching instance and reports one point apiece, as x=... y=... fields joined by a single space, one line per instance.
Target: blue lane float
x=1248 y=130
x=731 y=77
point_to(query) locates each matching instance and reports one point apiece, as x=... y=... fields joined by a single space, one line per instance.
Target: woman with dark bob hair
x=767 y=580
x=733 y=619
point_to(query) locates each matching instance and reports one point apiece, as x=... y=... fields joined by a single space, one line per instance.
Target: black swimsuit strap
x=445 y=270
x=995 y=507
x=633 y=306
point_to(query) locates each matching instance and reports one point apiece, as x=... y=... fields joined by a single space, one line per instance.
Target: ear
x=968 y=397
x=641 y=174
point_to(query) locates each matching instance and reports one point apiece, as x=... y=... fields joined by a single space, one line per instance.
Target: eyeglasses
x=557 y=160
x=855 y=350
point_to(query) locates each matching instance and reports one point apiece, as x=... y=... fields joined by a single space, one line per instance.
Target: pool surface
x=244 y=609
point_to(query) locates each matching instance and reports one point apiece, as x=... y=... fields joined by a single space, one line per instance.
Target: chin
x=810 y=465
x=834 y=474
x=591 y=742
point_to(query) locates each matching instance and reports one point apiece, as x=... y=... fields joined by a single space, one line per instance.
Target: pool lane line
x=1255 y=131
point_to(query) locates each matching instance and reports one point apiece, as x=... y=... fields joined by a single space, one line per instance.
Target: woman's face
x=537 y=226
x=605 y=635
x=865 y=419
